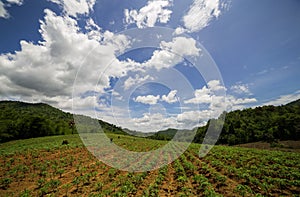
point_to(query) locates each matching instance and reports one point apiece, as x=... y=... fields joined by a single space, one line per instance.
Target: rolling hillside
x=266 y=123
x=19 y=120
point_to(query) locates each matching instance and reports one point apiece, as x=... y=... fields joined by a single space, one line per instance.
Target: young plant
x=66 y=187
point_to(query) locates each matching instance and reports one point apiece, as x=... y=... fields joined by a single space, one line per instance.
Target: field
x=44 y=167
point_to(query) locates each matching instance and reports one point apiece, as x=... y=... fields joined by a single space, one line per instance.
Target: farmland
x=42 y=166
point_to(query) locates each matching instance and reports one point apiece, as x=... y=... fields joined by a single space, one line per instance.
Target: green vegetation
x=28 y=168
x=19 y=120
x=42 y=166
x=267 y=123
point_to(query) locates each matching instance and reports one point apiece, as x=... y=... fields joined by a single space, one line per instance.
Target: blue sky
x=151 y=64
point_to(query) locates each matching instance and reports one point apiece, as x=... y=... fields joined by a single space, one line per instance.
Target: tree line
x=266 y=123
x=20 y=120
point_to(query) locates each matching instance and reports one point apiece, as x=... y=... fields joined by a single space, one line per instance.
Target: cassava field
x=45 y=167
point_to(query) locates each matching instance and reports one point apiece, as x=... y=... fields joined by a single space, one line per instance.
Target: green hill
x=19 y=120
x=266 y=123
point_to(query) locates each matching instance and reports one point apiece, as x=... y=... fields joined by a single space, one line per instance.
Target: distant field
x=42 y=166
x=288 y=145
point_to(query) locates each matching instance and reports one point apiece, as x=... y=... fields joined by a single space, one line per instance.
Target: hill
x=19 y=120
x=266 y=123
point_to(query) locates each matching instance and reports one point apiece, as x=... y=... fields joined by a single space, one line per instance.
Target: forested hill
x=266 y=123
x=19 y=120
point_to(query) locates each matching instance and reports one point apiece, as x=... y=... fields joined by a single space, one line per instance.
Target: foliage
x=19 y=120
x=267 y=123
x=48 y=168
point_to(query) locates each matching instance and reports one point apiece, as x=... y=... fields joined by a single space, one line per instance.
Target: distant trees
x=19 y=120
x=267 y=123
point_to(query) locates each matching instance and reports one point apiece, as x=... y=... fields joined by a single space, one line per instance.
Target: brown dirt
x=169 y=187
x=146 y=182
x=25 y=171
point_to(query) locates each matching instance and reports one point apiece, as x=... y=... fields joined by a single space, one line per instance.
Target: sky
x=149 y=65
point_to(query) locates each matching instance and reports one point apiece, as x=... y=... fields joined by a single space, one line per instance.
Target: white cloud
x=234 y=103
x=191 y=119
x=148 y=99
x=151 y=122
x=215 y=86
x=48 y=69
x=155 y=11
x=3 y=11
x=207 y=94
x=75 y=7
x=214 y=96
x=240 y=89
x=154 y=122
x=171 y=97
x=169 y=54
x=94 y=31
x=179 y=30
x=136 y=80
x=182 y=46
x=17 y=2
x=284 y=99
x=172 y=53
x=201 y=13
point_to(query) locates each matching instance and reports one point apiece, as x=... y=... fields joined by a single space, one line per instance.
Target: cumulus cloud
x=154 y=122
x=172 y=53
x=215 y=86
x=148 y=99
x=152 y=100
x=75 y=7
x=201 y=13
x=179 y=30
x=94 y=31
x=171 y=97
x=155 y=11
x=151 y=122
x=136 y=80
x=191 y=119
x=214 y=96
x=48 y=69
x=207 y=94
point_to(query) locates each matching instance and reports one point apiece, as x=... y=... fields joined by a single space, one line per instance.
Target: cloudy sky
x=150 y=64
